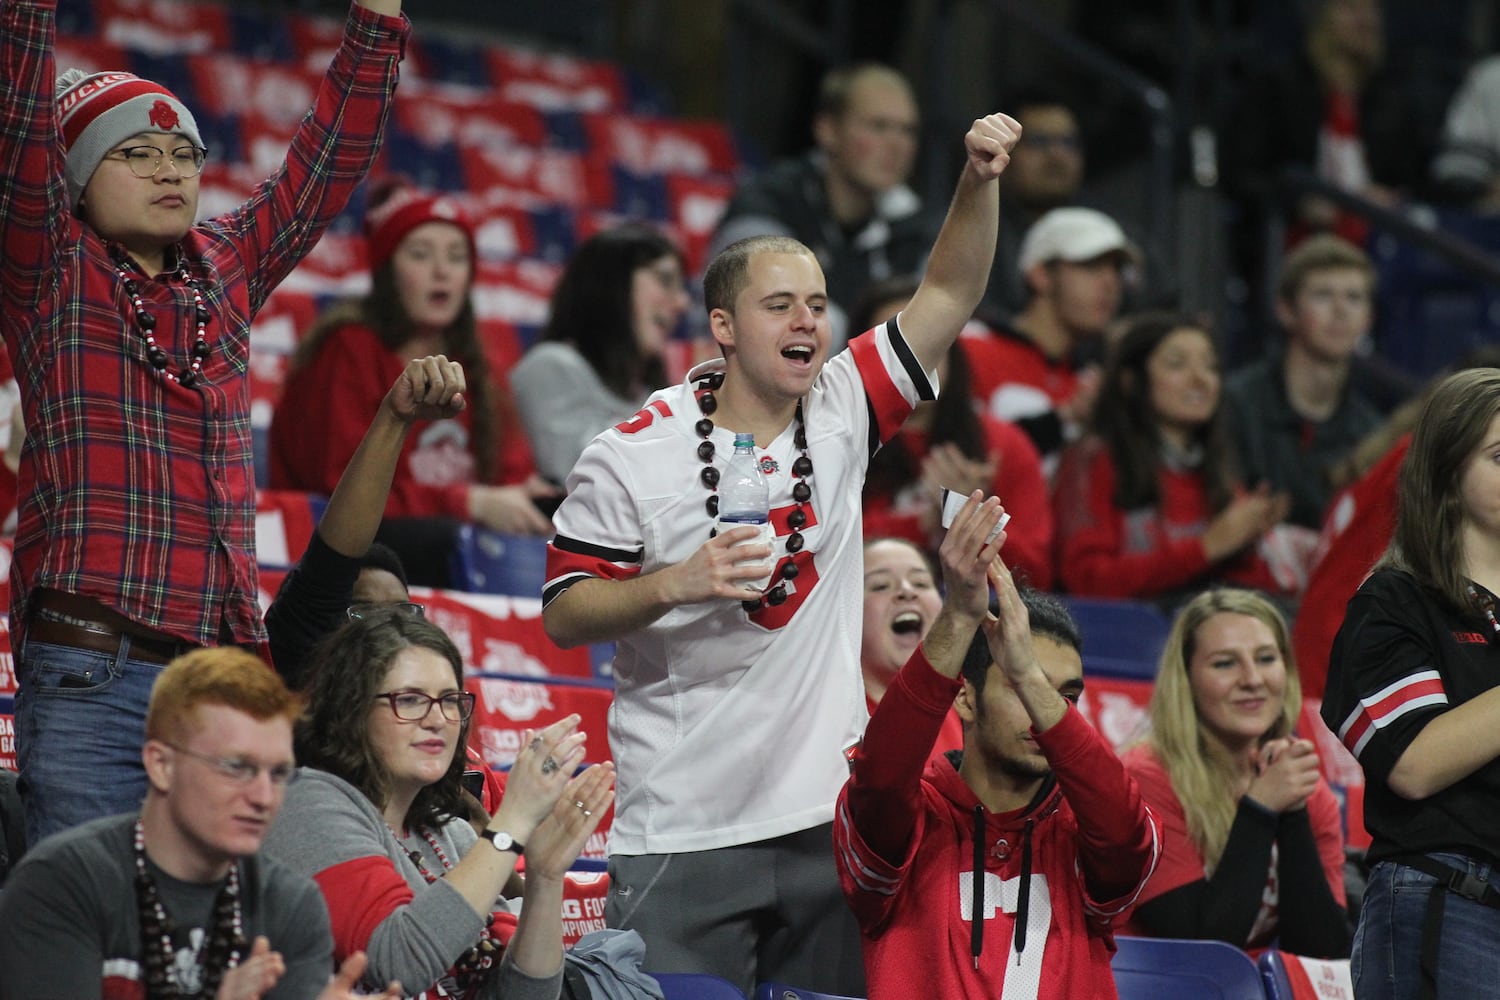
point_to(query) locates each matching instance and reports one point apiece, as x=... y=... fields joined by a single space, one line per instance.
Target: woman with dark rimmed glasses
x=377 y=819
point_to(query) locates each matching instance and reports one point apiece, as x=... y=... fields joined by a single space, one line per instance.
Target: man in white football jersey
x=736 y=700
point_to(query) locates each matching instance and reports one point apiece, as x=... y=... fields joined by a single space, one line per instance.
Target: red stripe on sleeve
x=890 y=407
x=360 y=894
x=560 y=563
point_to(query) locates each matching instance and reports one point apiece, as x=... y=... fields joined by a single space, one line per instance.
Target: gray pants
x=752 y=913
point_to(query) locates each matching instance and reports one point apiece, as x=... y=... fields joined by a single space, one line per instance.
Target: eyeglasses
x=414 y=706
x=242 y=771
x=359 y=612
x=146 y=161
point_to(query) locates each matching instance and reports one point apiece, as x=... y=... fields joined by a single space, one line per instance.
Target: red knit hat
x=406 y=208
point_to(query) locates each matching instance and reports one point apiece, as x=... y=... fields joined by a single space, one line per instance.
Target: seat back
x=1291 y=977
x=1120 y=638
x=1172 y=969
x=696 y=986
x=781 y=991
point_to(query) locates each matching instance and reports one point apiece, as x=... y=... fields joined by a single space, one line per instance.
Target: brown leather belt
x=83 y=623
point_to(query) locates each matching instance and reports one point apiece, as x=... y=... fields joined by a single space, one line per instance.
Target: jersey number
x=1022 y=979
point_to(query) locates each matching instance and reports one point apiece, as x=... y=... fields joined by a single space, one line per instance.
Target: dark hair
x=1428 y=541
x=1124 y=421
x=381 y=310
x=383 y=557
x=344 y=674
x=592 y=309
x=954 y=419
x=1049 y=617
x=1037 y=95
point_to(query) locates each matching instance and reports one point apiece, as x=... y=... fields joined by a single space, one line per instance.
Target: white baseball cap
x=1074 y=235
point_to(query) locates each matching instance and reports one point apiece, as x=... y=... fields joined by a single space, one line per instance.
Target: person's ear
x=721 y=325
x=157 y=758
x=967 y=703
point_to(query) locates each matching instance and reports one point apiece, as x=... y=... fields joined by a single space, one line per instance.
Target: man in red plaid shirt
x=128 y=326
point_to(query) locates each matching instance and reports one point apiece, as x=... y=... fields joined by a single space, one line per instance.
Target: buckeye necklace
x=145 y=322
x=474 y=965
x=801 y=492
x=226 y=942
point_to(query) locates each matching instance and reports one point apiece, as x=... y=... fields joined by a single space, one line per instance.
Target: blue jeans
x=80 y=724
x=1386 y=963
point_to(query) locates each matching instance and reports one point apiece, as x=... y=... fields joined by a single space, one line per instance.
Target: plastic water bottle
x=745 y=500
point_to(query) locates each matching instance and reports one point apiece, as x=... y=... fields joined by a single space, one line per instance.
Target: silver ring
x=580 y=805
x=536 y=743
x=587 y=814
x=549 y=765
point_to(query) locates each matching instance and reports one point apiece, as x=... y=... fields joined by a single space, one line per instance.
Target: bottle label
x=767 y=536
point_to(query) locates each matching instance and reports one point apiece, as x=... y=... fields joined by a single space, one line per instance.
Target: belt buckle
x=1469 y=885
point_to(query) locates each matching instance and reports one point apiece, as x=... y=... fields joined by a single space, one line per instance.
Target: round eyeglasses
x=414 y=706
x=145 y=161
x=241 y=770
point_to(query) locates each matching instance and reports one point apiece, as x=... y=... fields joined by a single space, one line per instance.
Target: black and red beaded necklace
x=775 y=593
x=145 y=322
x=226 y=943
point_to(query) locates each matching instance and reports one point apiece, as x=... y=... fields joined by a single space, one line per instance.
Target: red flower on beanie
x=163 y=116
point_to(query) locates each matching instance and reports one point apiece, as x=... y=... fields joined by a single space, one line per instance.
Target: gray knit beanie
x=97 y=111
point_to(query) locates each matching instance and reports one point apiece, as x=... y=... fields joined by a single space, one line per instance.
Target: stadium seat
x=1291 y=977
x=487 y=562
x=1172 y=969
x=780 y=991
x=696 y=986
x=1120 y=638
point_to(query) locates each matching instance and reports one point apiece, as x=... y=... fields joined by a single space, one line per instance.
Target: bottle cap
x=746 y=440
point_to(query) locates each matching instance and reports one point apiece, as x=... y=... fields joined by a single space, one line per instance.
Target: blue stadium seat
x=696 y=986
x=1120 y=638
x=487 y=562
x=780 y=991
x=1171 y=969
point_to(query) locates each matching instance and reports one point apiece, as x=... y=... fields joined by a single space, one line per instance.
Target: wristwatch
x=503 y=841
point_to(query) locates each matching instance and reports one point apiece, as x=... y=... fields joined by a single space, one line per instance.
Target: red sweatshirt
x=1084 y=848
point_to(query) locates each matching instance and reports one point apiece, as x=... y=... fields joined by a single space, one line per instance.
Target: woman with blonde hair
x=1252 y=845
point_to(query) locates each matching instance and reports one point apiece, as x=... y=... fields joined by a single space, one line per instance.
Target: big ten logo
x=518 y=701
x=583 y=909
x=500 y=747
x=7 y=673
x=7 y=738
x=503 y=657
x=597 y=846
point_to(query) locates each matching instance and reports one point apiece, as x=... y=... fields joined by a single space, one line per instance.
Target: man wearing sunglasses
x=176 y=900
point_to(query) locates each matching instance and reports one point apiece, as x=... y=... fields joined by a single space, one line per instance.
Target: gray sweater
x=330 y=831
x=564 y=404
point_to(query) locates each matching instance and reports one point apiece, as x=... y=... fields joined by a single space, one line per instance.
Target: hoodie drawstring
x=1023 y=894
x=976 y=914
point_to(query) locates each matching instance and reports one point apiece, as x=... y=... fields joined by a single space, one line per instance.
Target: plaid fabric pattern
x=136 y=491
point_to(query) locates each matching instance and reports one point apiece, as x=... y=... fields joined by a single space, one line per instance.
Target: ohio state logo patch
x=163 y=116
x=768 y=466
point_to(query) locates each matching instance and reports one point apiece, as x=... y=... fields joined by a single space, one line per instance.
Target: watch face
x=502 y=841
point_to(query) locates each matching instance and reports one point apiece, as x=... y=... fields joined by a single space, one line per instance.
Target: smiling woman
x=1252 y=844
x=377 y=818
